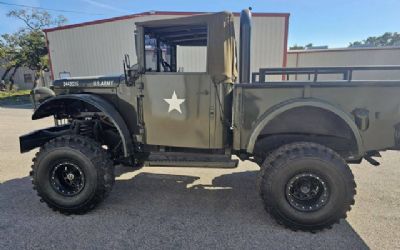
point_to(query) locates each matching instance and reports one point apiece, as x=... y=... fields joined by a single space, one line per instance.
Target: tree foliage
x=385 y=40
x=300 y=47
x=2 y=52
x=296 y=47
x=27 y=46
x=36 y=20
x=11 y=56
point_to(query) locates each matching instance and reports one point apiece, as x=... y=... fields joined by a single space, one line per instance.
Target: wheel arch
x=270 y=115
x=54 y=105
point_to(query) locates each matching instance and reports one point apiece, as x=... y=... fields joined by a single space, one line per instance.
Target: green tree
x=10 y=56
x=36 y=20
x=2 y=52
x=385 y=40
x=299 y=47
x=27 y=46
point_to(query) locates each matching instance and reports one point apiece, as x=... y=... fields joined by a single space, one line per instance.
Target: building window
x=28 y=78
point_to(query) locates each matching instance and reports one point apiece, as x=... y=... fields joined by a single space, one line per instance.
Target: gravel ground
x=183 y=208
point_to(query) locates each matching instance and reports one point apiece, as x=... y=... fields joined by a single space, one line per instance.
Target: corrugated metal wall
x=191 y=59
x=94 y=49
x=98 y=49
x=349 y=57
x=268 y=44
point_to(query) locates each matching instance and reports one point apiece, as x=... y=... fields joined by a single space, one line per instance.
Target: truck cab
x=194 y=108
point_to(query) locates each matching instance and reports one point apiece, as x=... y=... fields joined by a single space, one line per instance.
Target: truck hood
x=89 y=82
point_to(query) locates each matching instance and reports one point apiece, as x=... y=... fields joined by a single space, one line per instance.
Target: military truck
x=303 y=131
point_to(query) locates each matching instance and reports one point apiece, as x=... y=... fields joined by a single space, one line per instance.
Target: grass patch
x=15 y=97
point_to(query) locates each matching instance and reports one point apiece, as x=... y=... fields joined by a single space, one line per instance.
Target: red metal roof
x=342 y=49
x=149 y=13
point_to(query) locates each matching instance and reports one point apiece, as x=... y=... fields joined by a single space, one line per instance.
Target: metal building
x=23 y=77
x=98 y=47
x=349 y=57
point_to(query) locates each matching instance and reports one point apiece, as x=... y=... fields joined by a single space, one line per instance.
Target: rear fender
x=272 y=113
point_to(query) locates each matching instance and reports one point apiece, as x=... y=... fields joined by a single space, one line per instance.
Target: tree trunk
x=3 y=77
x=39 y=79
x=12 y=77
x=42 y=78
x=36 y=81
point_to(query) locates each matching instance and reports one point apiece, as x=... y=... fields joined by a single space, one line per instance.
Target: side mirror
x=131 y=73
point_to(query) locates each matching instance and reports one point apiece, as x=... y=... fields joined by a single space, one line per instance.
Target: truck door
x=176 y=109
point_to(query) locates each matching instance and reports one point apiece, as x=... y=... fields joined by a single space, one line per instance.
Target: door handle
x=204 y=92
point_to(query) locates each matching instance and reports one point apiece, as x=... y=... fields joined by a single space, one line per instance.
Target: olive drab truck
x=302 y=133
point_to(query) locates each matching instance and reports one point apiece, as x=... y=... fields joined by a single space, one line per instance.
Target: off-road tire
x=290 y=161
x=95 y=164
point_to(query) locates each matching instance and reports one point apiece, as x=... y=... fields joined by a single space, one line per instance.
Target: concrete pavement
x=183 y=208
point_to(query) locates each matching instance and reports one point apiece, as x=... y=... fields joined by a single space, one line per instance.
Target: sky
x=335 y=23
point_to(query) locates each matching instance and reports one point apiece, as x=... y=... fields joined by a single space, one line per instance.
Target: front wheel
x=72 y=174
x=306 y=186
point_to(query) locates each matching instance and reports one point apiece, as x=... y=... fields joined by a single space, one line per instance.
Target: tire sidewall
x=327 y=170
x=42 y=176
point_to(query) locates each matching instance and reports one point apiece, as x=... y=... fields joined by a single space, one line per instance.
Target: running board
x=191 y=160
x=193 y=164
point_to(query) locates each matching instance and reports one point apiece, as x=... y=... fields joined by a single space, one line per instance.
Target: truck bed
x=365 y=113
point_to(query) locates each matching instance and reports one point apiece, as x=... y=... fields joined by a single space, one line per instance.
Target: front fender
x=275 y=111
x=53 y=105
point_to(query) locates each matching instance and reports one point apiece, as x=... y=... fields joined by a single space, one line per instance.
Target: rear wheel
x=72 y=174
x=306 y=186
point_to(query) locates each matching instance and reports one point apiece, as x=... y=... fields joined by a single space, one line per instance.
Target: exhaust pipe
x=245 y=46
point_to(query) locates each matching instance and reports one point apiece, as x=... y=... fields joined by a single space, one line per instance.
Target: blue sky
x=334 y=23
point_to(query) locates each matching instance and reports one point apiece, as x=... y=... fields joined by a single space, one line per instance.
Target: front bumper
x=38 y=138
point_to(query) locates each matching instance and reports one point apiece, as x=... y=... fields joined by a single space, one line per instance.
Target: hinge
x=212 y=112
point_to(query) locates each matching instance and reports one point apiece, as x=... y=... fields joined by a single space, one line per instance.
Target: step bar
x=172 y=159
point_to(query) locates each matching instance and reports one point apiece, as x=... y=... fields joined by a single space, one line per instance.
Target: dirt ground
x=181 y=208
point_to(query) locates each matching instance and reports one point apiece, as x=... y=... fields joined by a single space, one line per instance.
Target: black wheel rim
x=307 y=192
x=67 y=178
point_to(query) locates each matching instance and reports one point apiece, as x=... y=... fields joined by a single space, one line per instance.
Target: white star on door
x=174 y=103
